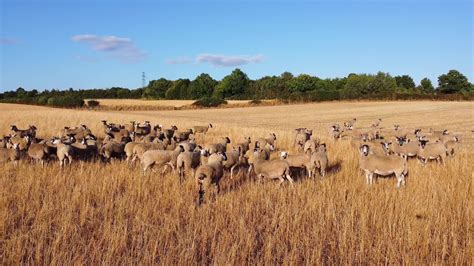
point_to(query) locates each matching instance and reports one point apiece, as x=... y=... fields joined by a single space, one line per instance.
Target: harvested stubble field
x=94 y=213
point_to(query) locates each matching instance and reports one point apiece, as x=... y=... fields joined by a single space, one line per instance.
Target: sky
x=104 y=43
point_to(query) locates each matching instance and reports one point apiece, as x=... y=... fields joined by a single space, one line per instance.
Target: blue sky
x=104 y=43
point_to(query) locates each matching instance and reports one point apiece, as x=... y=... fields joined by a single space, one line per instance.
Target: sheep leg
x=232 y=171
x=367 y=177
x=288 y=177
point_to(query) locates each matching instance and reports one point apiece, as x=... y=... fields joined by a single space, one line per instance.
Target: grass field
x=94 y=213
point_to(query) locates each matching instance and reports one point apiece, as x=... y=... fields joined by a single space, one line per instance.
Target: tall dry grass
x=94 y=213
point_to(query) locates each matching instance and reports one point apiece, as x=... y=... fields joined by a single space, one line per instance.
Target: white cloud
x=120 y=48
x=228 y=60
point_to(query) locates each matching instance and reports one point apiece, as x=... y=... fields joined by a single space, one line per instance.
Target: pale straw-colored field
x=93 y=213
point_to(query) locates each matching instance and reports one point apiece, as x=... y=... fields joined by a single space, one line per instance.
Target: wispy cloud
x=228 y=60
x=123 y=49
x=219 y=60
x=9 y=41
x=179 y=60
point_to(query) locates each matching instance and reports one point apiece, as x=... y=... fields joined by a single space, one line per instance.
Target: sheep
x=39 y=152
x=376 y=123
x=23 y=142
x=85 y=150
x=63 y=151
x=140 y=148
x=301 y=138
x=349 y=125
x=446 y=138
x=31 y=131
x=161 y=158
x=382 y=165
x=244 y=146
x=319 y=160
x=188 y=161
x=118 y=135
x=110 y=127
x=235 y=158
x=182 y=135
x=301 y=160
x=381 y=148
x=311 y=145
x=274 y=169
x=261 y=142
x=220 y=146
x=10 y=154
x=209 y=174
x=169 y=132
x=201 y=129
x=405 y=147
x=143 y=130
x=451 y=145
x=78 y=132
x=335 y=132
x=112 y=149
x=432 y=151
x=188 y=145
x=128 y=149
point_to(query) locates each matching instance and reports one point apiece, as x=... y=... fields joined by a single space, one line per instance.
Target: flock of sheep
x=382 y=151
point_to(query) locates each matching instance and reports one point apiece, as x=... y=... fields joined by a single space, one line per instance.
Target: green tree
x=202 y=86
x=303 y=83
x=426 y=85
x=156 y=89
x=405 y=82
x=234 y=85
x=178 y=90
x=453 y=82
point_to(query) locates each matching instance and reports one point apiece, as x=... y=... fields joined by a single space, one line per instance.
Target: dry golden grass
x=94 y=213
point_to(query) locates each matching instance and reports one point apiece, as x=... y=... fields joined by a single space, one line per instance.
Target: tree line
x=237 y=85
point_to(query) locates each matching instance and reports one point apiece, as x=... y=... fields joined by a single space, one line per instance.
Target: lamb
x=274 y=169
x=235 y=159
x=201 y=129
x=301 y=160
x=382 y=165
x=319 y=160
x=432 y=151
x=262 y=142
x=188 y=161
x=10 y=154
x=244 y=146
x=220 y=146
x=209 y=174
x=78 y=132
